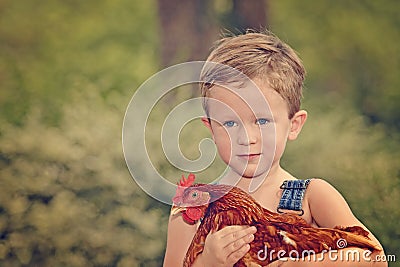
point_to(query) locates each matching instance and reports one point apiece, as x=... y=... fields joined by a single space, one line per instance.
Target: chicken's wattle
x=192 y=215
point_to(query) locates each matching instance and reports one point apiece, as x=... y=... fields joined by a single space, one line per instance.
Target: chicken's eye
x=195 y=194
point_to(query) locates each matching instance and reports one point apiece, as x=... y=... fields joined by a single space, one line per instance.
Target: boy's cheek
x=223 y=143
x=221 y=135
x=225 y=153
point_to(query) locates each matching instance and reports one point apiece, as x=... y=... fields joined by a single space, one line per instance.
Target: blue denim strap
x=292 y=195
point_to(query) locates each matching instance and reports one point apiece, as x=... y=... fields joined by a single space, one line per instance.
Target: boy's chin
x=252 y=174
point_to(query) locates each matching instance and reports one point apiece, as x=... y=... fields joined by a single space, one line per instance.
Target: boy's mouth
x=249 y=157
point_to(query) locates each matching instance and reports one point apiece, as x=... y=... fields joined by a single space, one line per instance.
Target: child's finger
x=235 y=237
x=232 y=228
x=238 y=254
x=239 y=243
x=235 y=233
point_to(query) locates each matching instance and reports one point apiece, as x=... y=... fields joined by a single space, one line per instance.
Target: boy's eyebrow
x=223 y=118
x=265 y=114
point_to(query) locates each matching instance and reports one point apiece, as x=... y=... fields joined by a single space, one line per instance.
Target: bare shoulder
x=327 y=205
x=319 y=187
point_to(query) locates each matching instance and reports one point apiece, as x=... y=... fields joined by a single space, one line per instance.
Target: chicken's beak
x=176 y=210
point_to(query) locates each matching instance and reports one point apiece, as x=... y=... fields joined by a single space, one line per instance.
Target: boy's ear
x=207 y=122
x=297 y=123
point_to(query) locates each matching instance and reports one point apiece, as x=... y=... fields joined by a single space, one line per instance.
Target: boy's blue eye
x=229 y=124
x=262 y=121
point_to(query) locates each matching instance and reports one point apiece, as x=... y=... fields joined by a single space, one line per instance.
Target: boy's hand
x=226 y=246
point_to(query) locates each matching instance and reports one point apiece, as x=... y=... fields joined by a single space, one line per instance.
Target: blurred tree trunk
x=249 y=14
x=186 y=33
x=188 y=28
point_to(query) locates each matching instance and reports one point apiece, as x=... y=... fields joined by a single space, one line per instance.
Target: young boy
x=251 y=137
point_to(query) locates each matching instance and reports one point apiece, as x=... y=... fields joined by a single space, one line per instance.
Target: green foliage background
x=68 y=70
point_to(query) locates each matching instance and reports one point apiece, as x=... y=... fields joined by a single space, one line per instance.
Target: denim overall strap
x=292 y=195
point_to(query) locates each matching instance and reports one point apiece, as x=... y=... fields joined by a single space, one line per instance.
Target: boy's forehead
x=250 y=96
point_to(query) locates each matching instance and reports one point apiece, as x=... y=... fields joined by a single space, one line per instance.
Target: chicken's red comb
x=182 y=185
x=187 y=182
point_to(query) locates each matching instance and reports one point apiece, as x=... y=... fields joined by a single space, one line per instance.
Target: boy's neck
x=273 y=178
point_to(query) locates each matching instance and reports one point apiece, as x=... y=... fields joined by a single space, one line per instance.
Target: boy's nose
x=248 y=135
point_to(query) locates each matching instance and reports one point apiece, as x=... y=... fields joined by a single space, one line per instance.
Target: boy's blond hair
x=263 y=56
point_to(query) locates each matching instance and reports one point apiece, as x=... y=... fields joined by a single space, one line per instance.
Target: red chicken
x=278 y=235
